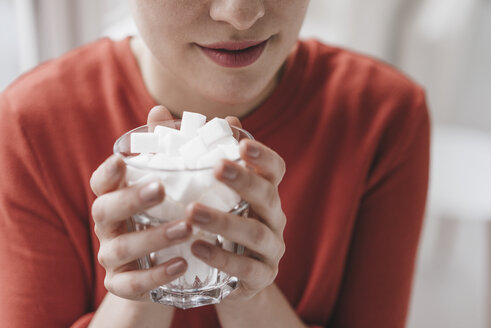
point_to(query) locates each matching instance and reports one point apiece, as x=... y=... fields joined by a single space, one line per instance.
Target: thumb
x=158 y=114
x=234 y=121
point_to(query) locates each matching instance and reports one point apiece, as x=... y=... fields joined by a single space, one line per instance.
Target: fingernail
x=201 y=216
x=229 y=172
x=202 y=251
x=253 y=151
x=150 y=193
x=177 y=231
x=176 y=268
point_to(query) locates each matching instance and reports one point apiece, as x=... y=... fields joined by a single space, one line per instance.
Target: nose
x=241 y=14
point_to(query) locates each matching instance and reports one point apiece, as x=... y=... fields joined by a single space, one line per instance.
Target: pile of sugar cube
x=183 y=160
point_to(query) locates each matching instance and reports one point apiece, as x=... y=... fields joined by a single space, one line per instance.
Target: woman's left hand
x=261 y=233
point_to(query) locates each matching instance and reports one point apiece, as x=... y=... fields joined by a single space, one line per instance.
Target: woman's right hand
x=119 y=249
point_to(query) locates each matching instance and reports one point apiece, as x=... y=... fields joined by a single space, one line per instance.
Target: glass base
x=191 y=299
x=200 y=284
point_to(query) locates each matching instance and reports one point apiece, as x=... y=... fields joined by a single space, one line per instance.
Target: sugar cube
x=140 y=160
x=168 y=210
x=228 y=140
x=159 y=161
x=144 y=142
x=214 y=130
x=177 y=163
x=192 y=150
x=211 y=158
x=181 y=187
x=204 y=179
x=191 y=122
x=162 y=131
x=165 y=254
x=171 y=143
x=231 y=151
x=163 y=161
x=133 y=173
x=220 y=197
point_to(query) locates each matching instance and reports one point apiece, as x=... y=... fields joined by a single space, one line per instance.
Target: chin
x=232 y=96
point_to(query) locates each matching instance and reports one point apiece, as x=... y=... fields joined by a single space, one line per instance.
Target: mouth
x=234 y=54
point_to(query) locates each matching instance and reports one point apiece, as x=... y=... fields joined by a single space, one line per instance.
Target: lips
x=234 y=54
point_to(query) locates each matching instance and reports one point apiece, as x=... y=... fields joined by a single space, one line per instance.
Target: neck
x=168 y=90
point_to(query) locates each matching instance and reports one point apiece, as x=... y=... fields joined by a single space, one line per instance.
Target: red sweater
x=354 y=134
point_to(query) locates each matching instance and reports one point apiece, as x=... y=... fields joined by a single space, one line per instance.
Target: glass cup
x=201 y=284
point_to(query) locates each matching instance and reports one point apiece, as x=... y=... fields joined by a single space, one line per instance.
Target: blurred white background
x=442 y=44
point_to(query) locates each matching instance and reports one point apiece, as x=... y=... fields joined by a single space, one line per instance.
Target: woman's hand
x=119 y=249
x=261 y=233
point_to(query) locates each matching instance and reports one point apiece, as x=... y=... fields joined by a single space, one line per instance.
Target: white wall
x=9 y=60
x=443 y=44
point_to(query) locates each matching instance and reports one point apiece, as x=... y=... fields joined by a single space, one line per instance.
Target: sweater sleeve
x=378 y=274
x=42 y=280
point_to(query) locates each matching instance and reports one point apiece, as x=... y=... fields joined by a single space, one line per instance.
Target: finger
x=158 y=114
x=234 y=121
x=264 y=160
x=111 y=209
x=251 y=272
x=136 y=284
x=251 y=233
x=129 y=247
x=256 y=190
x=108 y=176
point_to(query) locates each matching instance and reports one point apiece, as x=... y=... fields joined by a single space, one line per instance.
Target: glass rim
x=153 y=169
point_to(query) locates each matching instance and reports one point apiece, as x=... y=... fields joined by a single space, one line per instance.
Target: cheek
x=290 y=12
x=175 y=18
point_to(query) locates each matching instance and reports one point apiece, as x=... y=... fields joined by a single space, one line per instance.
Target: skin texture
x=179 y=76
x=177 y=73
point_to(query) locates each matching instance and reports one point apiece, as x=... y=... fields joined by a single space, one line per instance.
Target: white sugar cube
x=213 y=200
x=171 y=143
x=182 y=187
x=163 y=161
x=177 y=163
x=165 y=254
x=162 y=131
x=214 y=130
x=226 y=141
x=146 y=177
x=144 y=142
x=229 y=196
x=204 y=179
x=159 y=161
x=220 y=197
x=133 y=173
x=231 y=151
x=140 y=160
x=168 y=210
x=211 y=158
x=192 y=150
x=191 y=122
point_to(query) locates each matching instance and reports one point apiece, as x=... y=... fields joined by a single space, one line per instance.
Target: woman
x=352 y=132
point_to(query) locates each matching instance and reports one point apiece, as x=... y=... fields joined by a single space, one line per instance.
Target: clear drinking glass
x=201 y=284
